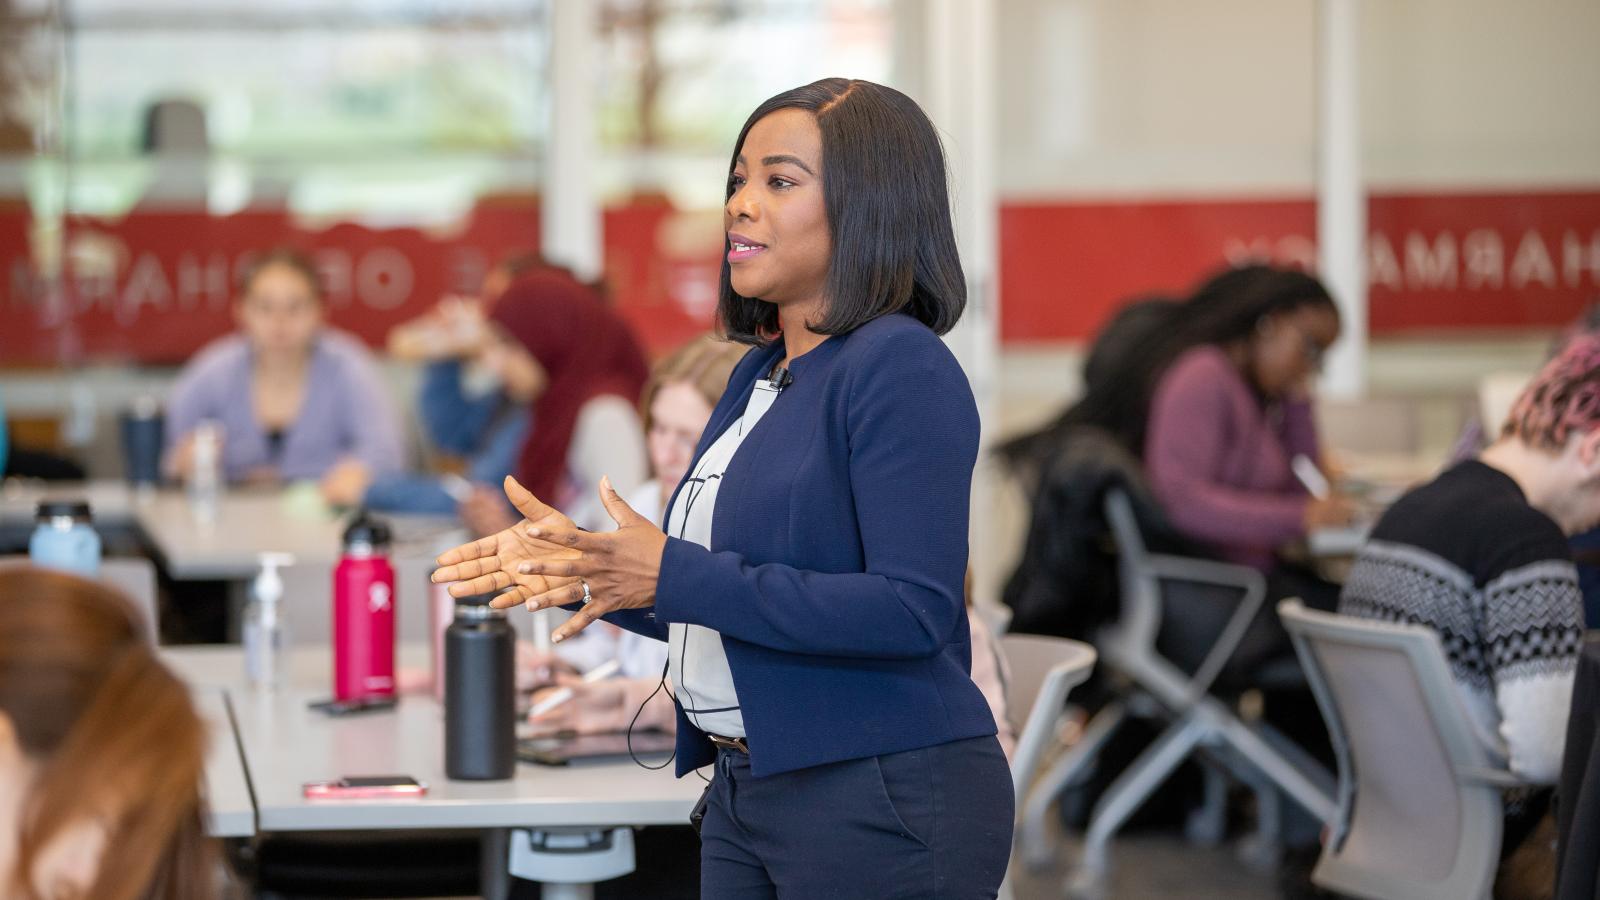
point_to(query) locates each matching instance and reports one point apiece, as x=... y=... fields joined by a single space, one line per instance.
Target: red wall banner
x=1435 y=262
x=154 y=286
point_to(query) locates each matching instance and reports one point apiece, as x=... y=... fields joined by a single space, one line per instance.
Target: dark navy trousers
x=928 y=823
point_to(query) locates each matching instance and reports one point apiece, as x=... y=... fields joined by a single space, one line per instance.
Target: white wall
x=1165 y=97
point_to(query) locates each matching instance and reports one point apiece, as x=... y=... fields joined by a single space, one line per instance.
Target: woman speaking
x=809 y=580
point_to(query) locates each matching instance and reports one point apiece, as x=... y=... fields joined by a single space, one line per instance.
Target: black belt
x=729 y=743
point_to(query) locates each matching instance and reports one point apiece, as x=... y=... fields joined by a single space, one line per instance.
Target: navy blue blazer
x=838 y=554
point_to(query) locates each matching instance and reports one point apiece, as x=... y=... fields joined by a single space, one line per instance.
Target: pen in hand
x=562 y=695
x=1315 y=482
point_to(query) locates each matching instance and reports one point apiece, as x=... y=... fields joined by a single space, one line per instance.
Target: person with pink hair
x=1480 y=555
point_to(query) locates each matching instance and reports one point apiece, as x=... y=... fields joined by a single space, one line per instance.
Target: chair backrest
x=1129 y=644
x=1419 y=792
x=134 y=577
x=1042 y=672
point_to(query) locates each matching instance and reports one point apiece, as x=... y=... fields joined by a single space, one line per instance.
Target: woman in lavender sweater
x=295 y=399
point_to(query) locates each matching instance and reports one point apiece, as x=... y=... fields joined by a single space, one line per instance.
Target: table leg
x=494 y=871
x=568 y=892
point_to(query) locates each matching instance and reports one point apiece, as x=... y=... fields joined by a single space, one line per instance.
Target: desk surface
x=248 y=523
x=1338 y=542
x=232 y=813
x=285 y=745
x=112 y=501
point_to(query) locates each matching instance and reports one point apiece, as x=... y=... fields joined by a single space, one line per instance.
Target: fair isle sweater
x=1468 y=557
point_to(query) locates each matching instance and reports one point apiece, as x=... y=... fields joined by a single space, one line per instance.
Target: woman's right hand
x=539 y=668
x=490 y=564
x=1329 y=512
x=595 y=708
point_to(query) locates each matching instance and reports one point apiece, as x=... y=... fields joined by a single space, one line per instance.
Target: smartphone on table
x=366 y=787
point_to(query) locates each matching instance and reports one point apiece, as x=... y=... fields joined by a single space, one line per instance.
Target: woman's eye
x=735 y=182
x=779 y=181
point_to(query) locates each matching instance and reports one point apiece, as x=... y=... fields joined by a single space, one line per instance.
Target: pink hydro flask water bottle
x=363 y=613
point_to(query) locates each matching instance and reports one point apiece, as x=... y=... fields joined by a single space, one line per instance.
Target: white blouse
x=695 y=660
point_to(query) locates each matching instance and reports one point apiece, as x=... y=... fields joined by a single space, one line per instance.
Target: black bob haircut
x=888 y=212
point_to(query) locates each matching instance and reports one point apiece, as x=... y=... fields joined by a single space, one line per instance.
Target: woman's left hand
x=620 y=567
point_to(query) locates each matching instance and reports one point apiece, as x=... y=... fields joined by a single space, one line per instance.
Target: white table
x=111 y=501
x=285 y=745
x=232 y=811
x=248 y=524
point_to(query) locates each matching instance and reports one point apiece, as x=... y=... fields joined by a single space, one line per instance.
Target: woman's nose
x=740 y=205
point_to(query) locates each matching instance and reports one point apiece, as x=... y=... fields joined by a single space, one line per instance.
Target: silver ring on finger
x=586 y=595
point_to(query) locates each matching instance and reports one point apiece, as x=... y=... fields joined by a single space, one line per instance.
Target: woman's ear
x=1589 y=454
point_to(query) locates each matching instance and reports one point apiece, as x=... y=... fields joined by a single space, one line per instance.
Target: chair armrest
x=1499 y=778
x=1204 y=571
x=1499 y=753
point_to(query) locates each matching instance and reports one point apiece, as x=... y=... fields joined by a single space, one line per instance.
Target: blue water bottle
x=65 y=538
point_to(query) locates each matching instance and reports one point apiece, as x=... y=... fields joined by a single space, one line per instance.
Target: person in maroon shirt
x=1232 y=410
x=1210 y=398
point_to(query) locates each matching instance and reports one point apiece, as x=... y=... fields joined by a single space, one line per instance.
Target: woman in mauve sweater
x=1232 y=410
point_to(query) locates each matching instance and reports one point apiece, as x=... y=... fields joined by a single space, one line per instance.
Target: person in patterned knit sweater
x=1480 y=555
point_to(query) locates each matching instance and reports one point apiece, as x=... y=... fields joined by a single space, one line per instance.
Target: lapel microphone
x=781 y=378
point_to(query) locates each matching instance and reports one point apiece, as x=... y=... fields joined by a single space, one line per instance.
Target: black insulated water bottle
x=480 y=704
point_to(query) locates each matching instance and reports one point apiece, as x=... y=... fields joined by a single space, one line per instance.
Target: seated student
x=1205 y=401
x=1476 y=434
x=677 y=402
x=462 y=406
x=101 y=751
x=1232 y=409
x=294 y=397
x=563 y=353
x=1480 y=555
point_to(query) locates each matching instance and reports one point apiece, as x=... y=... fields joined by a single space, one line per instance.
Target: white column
x=956 y=86
x=1341 y=192
x=570 y=221
x=958 y=93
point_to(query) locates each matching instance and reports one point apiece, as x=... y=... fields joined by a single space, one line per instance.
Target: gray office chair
x=1042 y=671
x=134 y=577
x=1200 y=724
x=1420 y=805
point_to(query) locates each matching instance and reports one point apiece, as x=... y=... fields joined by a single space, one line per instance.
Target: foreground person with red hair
x=101 y=751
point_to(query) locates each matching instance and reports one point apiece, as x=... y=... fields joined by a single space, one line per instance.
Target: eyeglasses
x=1314 y=351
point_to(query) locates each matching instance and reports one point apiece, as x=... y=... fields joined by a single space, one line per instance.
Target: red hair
x=114 y=735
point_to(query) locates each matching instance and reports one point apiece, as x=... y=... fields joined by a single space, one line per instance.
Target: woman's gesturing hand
x=490 y=564
x=620 y=568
